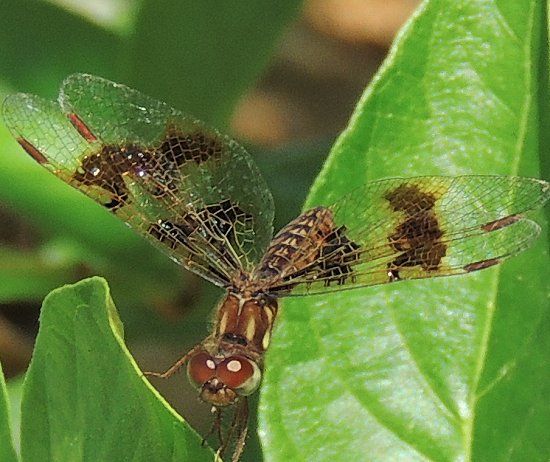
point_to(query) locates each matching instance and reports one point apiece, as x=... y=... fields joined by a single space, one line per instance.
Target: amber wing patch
x=418 y=238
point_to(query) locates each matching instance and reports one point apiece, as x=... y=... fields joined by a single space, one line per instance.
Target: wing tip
x=81 y=79
x=524 y=241
x=13 y=113
x=77 y=76
x=13 y=101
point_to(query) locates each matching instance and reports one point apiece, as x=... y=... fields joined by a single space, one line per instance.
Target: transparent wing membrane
x=191 y=191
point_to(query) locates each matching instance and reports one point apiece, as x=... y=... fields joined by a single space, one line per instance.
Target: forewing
x=399 y=229
x=190 y=190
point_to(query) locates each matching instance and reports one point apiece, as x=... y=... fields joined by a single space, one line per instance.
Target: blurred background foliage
x=281 y=77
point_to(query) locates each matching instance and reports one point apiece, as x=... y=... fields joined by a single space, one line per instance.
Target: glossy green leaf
x=15 y=393
x=543 y=97
x=7 y=452
x=443 y=370
x=28 y=275
x=85 y=399
x=40 y=44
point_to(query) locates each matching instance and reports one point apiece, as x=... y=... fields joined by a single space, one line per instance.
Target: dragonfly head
x=223 y=379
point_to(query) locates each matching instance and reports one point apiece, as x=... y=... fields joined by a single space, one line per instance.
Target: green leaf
x=201 y=56
x=447 y=369
x=544 y=95
x=40 y=44
x=28 y=275
x=7 y=452
x=85 y=398
x=15 y=393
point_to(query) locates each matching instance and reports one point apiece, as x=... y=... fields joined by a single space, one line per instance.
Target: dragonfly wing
x=190 y=190
x=413 y=228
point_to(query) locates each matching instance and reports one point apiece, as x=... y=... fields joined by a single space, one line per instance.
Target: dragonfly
x=197 y=195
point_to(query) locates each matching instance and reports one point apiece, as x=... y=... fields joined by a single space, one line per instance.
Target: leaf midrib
x=468 y=423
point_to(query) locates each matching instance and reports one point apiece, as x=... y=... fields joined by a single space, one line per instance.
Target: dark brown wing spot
x=393 y=275
x=418 y=237
x=106 y=169
x=222 y=218
x=336 y=257
x=501 y=223
x=193 y=147
x=482 y=264
x=173 y=236
x=410 y=199
x=32 y=151
x=169 y=233
x=81 y=127
x=215 y=224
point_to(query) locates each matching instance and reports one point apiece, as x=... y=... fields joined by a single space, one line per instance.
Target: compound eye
x=201 y=368
x=240 y=374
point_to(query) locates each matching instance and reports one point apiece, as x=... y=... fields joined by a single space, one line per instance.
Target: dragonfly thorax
x=243 y=324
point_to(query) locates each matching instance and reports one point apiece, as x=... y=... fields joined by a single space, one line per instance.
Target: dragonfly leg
x=242 y=425
x=177 y=365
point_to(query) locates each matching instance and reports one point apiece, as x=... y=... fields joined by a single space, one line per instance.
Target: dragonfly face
x=222 y=379
x=197 y=195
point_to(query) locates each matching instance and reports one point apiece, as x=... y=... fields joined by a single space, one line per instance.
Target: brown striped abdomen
x=297 y=245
